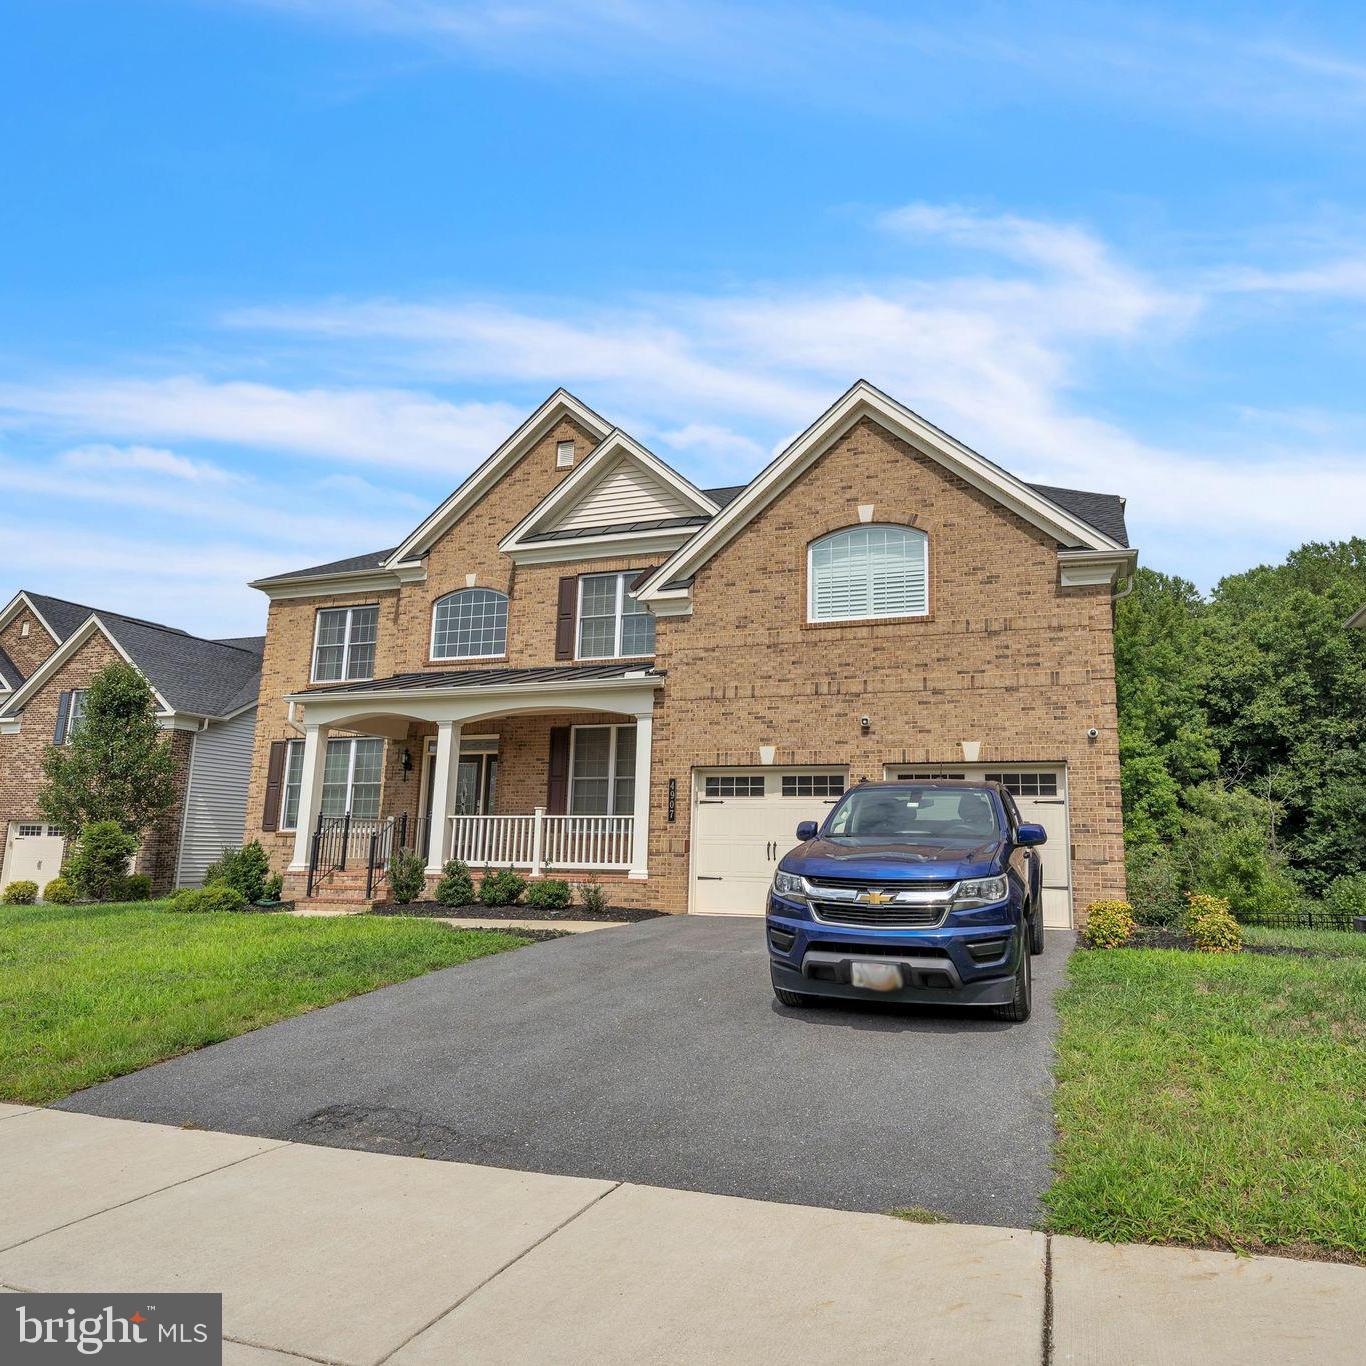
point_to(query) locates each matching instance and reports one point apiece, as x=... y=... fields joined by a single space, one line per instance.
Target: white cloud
x=381 y=426
x=145 y=460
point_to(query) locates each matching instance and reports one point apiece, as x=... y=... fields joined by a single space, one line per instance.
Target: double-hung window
x=344 y=644
x=351 y=780
x=866 y=572
x=612 y=624
x=76 y=713
x=602 y=771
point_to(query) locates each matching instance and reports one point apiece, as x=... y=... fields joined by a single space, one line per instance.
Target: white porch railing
x=539 y=842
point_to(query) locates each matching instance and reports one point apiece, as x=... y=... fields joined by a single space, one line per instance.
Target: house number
x=673 y=798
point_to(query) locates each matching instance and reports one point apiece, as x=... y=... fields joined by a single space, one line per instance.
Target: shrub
x=98 y=866
x=1109 y=924
x=551 y=894
x=456 y=887
x=591 y=897
x=20 y=894
x=503 y=888
x=246 y=868
x=217 y=896
x=59 y=892
x=1226 y=849
x=1154 y=886
x=275 y=887
x=1211 y=925
x=407 y=873
x=134 y=887
x=1346 y=897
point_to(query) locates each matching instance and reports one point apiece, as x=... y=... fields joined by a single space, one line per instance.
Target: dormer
x=622 y=500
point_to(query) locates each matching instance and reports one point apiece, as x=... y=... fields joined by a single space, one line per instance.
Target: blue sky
x=278 y=273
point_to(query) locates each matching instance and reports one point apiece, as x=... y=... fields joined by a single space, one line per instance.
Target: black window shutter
x=275 y=781
x=63 y=714
x=564 y=617
x=557 y=784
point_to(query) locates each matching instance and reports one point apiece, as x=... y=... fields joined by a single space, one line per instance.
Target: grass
x=1337 y=942
x=1213 y=1100
x=918 y=1214
x=88 y=993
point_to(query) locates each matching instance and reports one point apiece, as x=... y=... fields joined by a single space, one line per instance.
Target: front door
x=474 y=785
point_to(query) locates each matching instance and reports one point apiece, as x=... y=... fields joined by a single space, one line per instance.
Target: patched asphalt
x=651 y=1053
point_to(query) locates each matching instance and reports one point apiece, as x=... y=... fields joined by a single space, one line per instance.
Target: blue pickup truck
x=922 y=891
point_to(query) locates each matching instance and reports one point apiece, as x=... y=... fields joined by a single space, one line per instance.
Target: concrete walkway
x=323 y=1254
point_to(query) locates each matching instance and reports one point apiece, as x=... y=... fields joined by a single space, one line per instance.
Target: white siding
x=216 y=799
x=626 y=493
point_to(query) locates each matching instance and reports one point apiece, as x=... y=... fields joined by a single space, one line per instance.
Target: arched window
x=470 y=624
x=866 y=572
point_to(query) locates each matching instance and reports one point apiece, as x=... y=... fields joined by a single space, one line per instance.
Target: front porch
x=548 y=774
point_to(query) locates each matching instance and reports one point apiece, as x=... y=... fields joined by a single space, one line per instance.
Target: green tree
x=115 y=766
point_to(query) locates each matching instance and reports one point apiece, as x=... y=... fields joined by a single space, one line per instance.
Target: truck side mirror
x=1031 y=834
x=807 y=830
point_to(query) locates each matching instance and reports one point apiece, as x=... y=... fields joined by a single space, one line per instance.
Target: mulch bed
x=612 y=913
x=1153 y=937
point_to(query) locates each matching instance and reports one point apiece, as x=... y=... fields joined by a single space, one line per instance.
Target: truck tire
x=796 y=999
x=1036 y=930
x=1017 y=1009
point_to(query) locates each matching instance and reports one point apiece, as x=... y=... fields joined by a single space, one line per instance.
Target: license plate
x=875 y=976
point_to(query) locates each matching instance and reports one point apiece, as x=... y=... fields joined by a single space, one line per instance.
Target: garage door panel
x=32 y=854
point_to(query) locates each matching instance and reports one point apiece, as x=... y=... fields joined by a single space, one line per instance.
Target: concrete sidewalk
x=333 y=1255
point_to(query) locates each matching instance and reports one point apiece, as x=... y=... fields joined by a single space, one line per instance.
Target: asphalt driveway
x=649 y=1053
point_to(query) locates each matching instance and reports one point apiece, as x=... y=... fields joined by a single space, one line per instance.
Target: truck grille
x=834 y=901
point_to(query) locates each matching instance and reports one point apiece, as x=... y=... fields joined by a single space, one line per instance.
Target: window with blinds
x=868 y=571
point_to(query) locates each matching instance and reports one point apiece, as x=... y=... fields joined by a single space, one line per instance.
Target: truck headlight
x=980 y=891
x=789 y=885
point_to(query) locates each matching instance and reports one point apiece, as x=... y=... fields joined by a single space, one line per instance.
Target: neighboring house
x=581 y=663
x=206 y=694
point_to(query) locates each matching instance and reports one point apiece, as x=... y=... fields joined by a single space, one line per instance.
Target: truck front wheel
x=1018 y=1007
x=796 y=999
x=1036 y=930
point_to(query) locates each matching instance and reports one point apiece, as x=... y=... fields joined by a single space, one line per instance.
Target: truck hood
x=881 y=861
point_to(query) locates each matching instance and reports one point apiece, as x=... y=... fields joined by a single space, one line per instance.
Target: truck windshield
x=915 y=812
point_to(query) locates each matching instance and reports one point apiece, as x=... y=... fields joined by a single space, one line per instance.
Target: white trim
x=454 y=593
x=628 y=682
x=559 y=405
x=859 y=401
x=811 y=616
x=614 y=727
x=615 y=546
x=62 y=653
x=22 y=599
x=345 y=644
x=1079 y=568
x=184 y=808
x=347 y=581
x=621 y=575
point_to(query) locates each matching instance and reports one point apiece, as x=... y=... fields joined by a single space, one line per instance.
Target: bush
x=98 y=866
x=407 y=873
x=1226 y=850
x=134 y=887
x=551 y=894
x=503 y=888
x=1210 y=923
x=1154 y=886
x=591 y=897
x=59 y=892
x=20 y=894
x=1109 y=924
x=217 y=896
x=1346 y=897
x=246 y=869
x=456 y=887
x=275 y=887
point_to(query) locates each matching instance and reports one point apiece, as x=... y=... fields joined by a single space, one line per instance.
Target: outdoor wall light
x=407 y=763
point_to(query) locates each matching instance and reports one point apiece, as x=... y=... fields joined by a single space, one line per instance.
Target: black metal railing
x=328 y=848
x=385 y=840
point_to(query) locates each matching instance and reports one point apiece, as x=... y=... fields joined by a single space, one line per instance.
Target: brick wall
x=26 y=650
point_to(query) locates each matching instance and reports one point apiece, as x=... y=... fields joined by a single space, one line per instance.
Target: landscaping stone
x=476 y=910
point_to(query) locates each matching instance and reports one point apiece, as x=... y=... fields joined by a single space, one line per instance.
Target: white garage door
x=1040 y=791
x=33 y=853
x=743 y=824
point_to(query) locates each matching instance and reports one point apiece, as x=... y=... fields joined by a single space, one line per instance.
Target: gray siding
x=216 y=799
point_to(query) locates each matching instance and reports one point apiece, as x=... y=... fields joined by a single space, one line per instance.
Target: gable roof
x=1104 y=511
x=210 y=678
x=10 y=677
x=374 y=560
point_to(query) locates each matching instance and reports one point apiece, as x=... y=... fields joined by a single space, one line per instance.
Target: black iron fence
x=1309 y=918
x=391 y=836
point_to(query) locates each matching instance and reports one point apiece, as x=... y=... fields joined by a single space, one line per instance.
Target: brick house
x=206 y=694
x=581 y=663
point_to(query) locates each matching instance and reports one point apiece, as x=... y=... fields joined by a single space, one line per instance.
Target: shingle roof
x=197 y=676
x=1104 y=511
x=371 y=561
x=492 y=678
x=617 y=528
x=10 y=677
x=725 y=495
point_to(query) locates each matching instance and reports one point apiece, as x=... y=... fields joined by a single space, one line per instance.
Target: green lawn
x=88 y=993
x=1324 y=941
x=1213 y=1100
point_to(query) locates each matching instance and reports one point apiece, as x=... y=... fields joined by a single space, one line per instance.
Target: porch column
x=640 y=831
x=310 y=794
x=444 y=773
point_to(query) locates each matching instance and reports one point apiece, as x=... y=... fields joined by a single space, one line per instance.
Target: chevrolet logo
x=875 y=898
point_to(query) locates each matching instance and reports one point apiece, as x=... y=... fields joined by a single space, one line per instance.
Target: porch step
x=323 y=906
